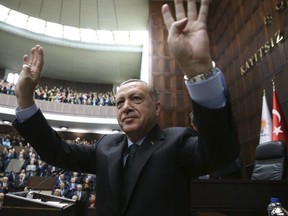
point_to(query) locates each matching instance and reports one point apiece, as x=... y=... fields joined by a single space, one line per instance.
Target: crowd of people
x=68 y=184
x=12 y=139
x=65 y=95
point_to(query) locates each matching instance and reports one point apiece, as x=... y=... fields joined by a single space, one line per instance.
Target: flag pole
x=273 y=84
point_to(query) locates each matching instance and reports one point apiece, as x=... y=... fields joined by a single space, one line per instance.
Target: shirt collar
x=139 y=142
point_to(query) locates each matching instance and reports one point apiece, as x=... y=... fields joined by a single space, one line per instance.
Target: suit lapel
x=115 y=165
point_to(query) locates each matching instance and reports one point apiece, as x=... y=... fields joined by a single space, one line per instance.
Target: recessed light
x=6 y=122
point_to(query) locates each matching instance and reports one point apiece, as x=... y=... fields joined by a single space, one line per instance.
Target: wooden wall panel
x=166 y=76
x=237 y=31
x=244 y=25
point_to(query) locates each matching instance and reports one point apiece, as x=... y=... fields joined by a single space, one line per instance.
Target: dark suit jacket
x=83 y=197
x=164 y=163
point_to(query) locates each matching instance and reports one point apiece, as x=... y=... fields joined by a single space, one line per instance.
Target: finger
x=179 y=9
x=26 y=64
x=203 y=12
x=179 y=26
x=36 y=57
x=167 y=17
x=192 y=10
x=32 y=57
x=26 y=67
x=40 y=58
x=25 y=59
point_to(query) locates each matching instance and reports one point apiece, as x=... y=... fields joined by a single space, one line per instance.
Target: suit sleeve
x=53 y=149
x=217 y=143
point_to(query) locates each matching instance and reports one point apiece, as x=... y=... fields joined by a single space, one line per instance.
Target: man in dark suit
x=81 y=195
x=166 y=159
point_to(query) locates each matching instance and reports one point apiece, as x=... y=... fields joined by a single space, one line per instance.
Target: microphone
x=30 y=194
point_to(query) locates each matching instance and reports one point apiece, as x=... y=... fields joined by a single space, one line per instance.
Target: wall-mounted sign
x=270 y=44
x=261 y=52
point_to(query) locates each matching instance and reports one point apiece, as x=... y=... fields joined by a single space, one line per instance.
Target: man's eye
x=119 y=104
x=137 y=99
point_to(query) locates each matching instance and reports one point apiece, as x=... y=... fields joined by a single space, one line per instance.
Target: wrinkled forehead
x=132 y=87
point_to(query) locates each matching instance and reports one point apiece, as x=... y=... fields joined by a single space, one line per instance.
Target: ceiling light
x=6 y=122
x=63 y=127
x=115 y=131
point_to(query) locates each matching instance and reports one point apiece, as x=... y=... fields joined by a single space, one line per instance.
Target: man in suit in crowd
x=71 y=187
x=21 y=182
x=81 y=195
x=62 y=190
x=4 y=185
x=166 y=159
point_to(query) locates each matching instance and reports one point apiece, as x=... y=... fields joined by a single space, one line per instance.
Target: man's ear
x=157 y=108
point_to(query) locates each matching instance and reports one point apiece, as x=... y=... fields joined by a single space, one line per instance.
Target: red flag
x=279 y=129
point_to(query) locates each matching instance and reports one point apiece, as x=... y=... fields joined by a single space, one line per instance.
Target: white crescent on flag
x=275 y=112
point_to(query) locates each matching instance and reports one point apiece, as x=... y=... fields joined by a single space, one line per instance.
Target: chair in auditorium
x=270 y=161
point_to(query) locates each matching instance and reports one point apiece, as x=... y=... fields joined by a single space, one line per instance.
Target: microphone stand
x=31 y=193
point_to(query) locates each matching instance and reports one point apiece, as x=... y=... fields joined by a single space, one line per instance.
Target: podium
x=236 y=197
x=35 y=203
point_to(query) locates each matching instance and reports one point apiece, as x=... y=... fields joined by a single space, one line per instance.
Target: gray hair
x=152 y=90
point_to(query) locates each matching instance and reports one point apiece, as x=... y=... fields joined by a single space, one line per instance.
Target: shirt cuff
x=210 y=93
x=25 y=114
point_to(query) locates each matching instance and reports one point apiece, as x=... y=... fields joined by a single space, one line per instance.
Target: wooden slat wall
x=237 y=31
x=166 y=76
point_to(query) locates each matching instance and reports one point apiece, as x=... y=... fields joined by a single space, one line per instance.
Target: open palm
x=188 y=39
x=29 y=77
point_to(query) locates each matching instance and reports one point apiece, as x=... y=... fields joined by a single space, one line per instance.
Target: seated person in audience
x=87 y=186
x=59 y=179
x=81 y=195
x=92 y=180
x=31 y=168
x=71 y=187
x=22 y=181
x=21 y=157
x=11 y=155
x=92 y=201
x=6 y=142
x=41 y=168
x=63 y=190
x=77 y=177
x=4 y=185
x=57 y=192
x=12 y=179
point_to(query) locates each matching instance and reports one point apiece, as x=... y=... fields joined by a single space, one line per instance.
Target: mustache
x=128 y=115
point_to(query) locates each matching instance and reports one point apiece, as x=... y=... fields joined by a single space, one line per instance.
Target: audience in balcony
x=65 y=95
